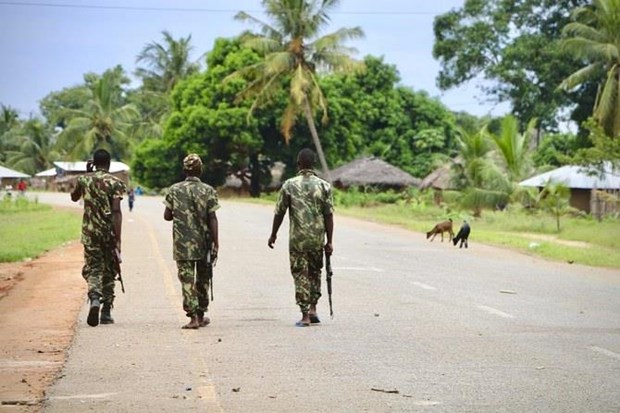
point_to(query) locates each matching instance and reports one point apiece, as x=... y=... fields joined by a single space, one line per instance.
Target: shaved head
x=101 y=159
x=306 y=159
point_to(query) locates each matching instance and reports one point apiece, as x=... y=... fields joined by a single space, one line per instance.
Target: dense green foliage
x=515 y=46
x=594 y=38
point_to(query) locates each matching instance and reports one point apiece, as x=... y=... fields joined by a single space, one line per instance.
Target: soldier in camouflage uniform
x=101 y=233
x=191 y=206
x=309 y=201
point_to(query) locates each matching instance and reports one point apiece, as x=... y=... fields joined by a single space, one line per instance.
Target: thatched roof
x=371 y=172
x=440 y=178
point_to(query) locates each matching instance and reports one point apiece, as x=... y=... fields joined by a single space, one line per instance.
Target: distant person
x=21 y=187
x=131 y=197
x=309 y=202
x=191 y=206
x=101 y=233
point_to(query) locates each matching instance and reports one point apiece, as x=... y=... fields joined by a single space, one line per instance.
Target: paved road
x=424 y=319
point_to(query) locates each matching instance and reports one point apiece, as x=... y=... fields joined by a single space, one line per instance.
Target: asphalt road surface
x=418 y=326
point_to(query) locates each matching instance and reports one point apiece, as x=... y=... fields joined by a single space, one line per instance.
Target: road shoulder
x=39 y=309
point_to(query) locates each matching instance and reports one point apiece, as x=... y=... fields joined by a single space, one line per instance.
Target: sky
x=47 y=45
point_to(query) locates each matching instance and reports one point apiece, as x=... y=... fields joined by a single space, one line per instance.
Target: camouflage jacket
x=308 y=199
x=98 y=189
x=190 y=202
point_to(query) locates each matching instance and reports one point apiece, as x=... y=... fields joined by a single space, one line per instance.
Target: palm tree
x=103 y=122
x=293 y=52
x=554 y=198
x=594 y=36
x=514 y=147
x=484 y=185
x=9 y=119
x=166 y=63
x=34 y=147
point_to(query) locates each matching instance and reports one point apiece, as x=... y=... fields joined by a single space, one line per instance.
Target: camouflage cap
x=192 y=162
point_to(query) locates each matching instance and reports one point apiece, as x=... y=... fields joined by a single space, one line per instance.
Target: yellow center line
x=205 y=389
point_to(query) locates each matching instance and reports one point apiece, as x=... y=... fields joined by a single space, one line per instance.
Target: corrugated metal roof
x=581 y=177
x=81 y=166
x=10 y=173
x=48 y=172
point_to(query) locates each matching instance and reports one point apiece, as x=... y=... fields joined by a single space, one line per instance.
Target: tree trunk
x=315 y=139
x=254 y=176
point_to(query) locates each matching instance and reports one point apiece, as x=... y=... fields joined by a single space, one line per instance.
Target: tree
x=166 y=63
x=514 y=46
x=370 y=114
x=104 y=121
x=292 y=52
x=514 y=147
x=9 y=119
x=594 y=38
x=483 y=184
x=34 y=147
x=554 y=198
x=208 y=119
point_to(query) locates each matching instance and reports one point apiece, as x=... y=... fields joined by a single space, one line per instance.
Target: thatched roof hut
x=372 y=172
x=441 y=178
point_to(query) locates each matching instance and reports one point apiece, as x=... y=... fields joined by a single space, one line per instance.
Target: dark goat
x=462 y=235
x=445 y=226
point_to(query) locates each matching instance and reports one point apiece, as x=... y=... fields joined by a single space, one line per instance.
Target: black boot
x=106 y=317
x=93 y=313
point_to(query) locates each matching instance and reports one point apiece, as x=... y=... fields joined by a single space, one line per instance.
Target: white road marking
x=424 y=286
x=606 y=352
x=495 y=311
x=426 y=403
x=84 y=396
x=373 y=269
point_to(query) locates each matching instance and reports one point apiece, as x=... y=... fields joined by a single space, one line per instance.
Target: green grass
x=27 y=229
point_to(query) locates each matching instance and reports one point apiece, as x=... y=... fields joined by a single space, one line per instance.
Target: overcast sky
x=46 y=45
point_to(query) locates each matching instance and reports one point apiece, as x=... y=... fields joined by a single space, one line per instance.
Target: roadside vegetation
x=28 y=228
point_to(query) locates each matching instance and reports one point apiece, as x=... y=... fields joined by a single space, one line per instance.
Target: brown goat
x=445 y=226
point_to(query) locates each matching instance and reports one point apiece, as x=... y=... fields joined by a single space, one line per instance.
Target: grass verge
x=28 y=229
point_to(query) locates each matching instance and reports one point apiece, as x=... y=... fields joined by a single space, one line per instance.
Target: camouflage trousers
x=98 y=271
x=306 y=270
x=194 y=285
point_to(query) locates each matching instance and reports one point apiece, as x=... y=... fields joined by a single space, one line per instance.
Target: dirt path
x=39 y=305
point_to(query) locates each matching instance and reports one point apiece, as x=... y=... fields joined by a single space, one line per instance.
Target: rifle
x=211 y=260
x=330 y=273
x=117 y=268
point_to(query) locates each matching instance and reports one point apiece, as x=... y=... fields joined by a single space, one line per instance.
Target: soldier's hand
x=272 y=240
x=329 y=248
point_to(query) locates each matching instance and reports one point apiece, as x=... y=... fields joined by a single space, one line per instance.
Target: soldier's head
x=192 y=165
x=101 y=160
x=306 y=159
